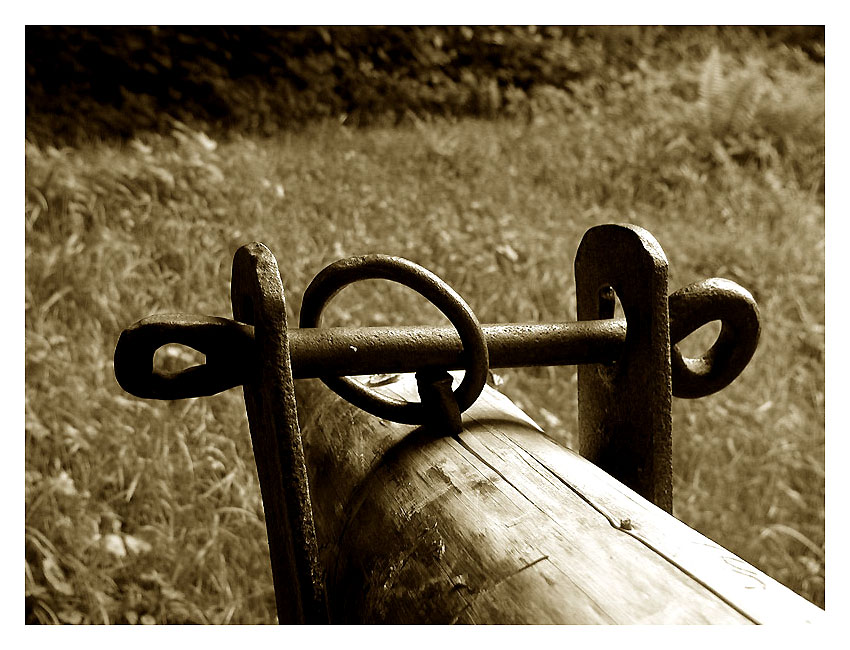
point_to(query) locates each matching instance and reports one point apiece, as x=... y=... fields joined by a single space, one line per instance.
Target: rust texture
x=257 y=297
x=344 y=351
x=624 y=406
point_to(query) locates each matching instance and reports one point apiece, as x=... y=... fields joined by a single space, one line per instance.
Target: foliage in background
x=148 y=512
x=107 y=81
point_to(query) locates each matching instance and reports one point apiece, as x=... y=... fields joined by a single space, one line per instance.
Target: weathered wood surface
x=502 y=525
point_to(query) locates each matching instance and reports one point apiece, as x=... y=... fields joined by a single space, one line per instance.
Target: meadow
x=149 y=512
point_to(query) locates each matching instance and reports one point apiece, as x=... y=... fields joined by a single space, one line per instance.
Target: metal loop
x=335 y=277
x=700 y=303
x=228 y=347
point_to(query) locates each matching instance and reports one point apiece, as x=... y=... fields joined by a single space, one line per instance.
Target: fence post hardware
x=629 y=369
x=258 y=300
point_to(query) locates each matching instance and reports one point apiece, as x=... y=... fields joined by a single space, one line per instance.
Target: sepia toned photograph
x=425 y=324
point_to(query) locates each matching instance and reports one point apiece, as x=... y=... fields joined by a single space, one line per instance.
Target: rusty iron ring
x=700 y=303
x=333 y=278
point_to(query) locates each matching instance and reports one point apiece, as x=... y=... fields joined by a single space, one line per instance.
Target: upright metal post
x=257 y=297
x=624 y=407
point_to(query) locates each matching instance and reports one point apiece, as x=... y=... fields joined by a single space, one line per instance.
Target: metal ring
x=227 y=345
x=335 y=277
x=700 y=303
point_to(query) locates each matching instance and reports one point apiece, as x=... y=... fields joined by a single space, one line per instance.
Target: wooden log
x=501 y=525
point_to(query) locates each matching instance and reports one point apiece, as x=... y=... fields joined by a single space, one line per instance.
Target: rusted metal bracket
x=624 y=406
x=629 y=369
x=257 y=297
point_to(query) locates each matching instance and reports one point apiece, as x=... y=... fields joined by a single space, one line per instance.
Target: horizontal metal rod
x=344 y=351
x=340 y=351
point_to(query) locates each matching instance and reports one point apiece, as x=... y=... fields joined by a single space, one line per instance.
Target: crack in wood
x=476 y=593
x=466 y=446
x=394 y=571
x=616 y=523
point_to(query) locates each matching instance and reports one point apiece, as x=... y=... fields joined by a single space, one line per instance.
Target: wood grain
x=501 y=525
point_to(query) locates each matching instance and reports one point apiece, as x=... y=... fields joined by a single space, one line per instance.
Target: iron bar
x=345 y=351
x=341 y=351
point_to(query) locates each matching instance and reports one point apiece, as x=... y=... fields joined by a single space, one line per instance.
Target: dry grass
x=142 y=511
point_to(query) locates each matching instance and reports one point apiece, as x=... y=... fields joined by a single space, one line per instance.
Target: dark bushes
x=111 y=81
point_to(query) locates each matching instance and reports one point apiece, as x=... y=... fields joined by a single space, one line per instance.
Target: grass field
x=140 y=511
